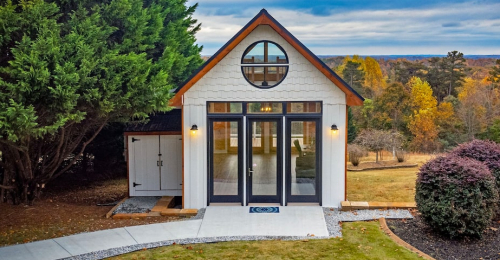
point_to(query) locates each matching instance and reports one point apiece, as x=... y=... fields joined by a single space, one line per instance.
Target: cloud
x=470 y=27
x=452 y=24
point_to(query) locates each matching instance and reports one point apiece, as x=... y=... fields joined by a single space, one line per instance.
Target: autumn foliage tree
x=70 y=67
x=374 y=79
x=422 y=120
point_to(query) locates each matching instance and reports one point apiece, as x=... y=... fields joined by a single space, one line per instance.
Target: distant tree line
x=435 y=103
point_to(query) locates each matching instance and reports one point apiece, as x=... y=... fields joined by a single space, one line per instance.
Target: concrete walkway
x=223 y=221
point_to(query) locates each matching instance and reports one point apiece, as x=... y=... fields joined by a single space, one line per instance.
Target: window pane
x=264 y=158
x=303 y=107
x=233 y=108
x=225 y=158
x=264 y=76
x=303 y=157
x=264 y=108
x=264 y=52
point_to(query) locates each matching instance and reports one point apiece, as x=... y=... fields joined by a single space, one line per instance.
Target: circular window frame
x=245 y=65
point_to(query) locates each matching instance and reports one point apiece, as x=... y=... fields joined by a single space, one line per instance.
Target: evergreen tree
x=353 y=74
x=404 y=70
x=70 y=67
x=435 y=78
x=453 y=71
x=494 y=77
x=352 y=131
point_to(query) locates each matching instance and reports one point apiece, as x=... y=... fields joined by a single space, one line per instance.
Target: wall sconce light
x=193 y=129
x=334 y=128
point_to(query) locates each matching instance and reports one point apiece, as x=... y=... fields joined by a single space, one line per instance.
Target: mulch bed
x=67 y=207
x=418 y=234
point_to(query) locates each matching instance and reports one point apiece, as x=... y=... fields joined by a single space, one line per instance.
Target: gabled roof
x=264 y=18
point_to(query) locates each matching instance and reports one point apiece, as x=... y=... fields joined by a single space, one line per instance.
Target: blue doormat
x=264 y=210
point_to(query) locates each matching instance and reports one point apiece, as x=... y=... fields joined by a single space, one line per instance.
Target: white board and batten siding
x=225 y=82
x=155 y=162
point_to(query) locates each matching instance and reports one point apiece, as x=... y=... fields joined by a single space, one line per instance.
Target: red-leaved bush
x=457 y=196
x=483 y=151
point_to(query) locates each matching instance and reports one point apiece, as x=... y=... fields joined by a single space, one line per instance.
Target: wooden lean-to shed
x=264 y=120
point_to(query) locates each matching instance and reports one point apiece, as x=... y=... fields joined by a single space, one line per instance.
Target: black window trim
x=284 y=107
x=263 y=64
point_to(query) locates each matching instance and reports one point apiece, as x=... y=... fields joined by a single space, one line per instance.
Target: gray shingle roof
x=159 y=121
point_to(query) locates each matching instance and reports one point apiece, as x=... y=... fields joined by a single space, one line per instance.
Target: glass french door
x=225 y=160
x=303 y=160
x=264 y=160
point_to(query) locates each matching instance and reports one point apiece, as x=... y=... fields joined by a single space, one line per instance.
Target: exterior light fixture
x=193 y=129
x=334 y=128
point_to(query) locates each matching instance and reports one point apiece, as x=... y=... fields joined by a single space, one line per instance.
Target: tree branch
x=84 y=145
x=7 y=187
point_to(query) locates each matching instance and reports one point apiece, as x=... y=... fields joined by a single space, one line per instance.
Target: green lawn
x=362 y=240
x=390 y=185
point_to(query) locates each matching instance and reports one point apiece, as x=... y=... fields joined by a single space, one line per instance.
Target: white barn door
x=171 y=166
x=144 y=164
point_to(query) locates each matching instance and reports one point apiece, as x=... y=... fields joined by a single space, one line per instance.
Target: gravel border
x=199 y=215
x=333 y=216
x=139 y=204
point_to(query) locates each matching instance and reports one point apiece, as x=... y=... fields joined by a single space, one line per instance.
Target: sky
x=347 y=27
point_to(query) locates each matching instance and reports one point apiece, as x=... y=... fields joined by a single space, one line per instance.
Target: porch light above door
x=193 y=129
x=334 y=128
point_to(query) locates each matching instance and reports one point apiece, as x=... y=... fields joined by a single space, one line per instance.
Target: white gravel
x=332 y=217
x=137 y=205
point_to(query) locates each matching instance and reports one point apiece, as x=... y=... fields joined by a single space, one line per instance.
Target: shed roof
x=159 y=122
x=264 y=18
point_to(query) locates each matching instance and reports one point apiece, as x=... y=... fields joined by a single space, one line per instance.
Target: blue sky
x=363 y=27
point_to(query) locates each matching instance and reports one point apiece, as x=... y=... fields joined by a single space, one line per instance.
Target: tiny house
x=264 y=120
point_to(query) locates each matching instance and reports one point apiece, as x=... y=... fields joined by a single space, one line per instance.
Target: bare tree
x=378 y=140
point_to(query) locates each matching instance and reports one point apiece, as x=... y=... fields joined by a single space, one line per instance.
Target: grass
x=411 y=157
x=361 y=240
x=387 y=185
x=390 y=185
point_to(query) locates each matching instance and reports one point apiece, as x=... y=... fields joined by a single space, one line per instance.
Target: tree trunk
x=376 y=157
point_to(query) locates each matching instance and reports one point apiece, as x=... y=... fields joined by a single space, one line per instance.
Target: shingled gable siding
x=225 y=82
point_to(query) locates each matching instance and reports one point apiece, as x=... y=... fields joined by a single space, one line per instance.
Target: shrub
x=356 y=152
x=401 y=155
x=456 y=196
x=483 y=151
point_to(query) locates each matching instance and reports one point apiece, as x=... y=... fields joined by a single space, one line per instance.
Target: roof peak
x=264 y=18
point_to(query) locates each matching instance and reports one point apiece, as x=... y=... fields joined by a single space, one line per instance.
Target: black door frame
x=225 y=198
x=278 y=198
x=288 y=160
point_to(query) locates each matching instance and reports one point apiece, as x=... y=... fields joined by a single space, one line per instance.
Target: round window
x=264 y=64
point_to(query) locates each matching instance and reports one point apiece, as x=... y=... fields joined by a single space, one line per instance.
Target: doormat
x=264 y=210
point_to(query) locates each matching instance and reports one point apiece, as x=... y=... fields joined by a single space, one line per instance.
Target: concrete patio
x=227 y=221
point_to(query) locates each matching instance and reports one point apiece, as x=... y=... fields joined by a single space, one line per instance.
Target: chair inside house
x=305 y=163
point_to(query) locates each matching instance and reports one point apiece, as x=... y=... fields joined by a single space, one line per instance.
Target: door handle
x=157 y=163
x=249 y=172
x=161 y=163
